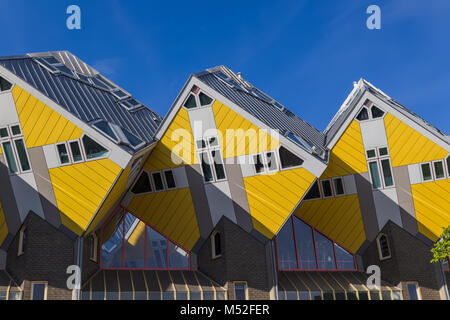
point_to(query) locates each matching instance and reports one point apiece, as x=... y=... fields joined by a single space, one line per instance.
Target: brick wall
x=409 y=262
x=47 y=254
x=243 y=259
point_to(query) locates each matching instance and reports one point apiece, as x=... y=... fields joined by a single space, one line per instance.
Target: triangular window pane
x=204 y=99
x=314 y=192
x=4 y=84
x=363 y=115
x=376 y=113
x=288 y=159
x=344 y=258
x=93 y=149
x=190 y=102
x=142 y=185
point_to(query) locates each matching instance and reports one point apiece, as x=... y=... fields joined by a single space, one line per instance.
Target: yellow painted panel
x=432 y=204
x=112 y=198
x=338 y=218
x=273 y=197
x=347 y=156
x=3 y=225
x=171 y=213
x=80 y=190
x=42 y=125
x=178 y=138
x=238 y=136
x=407 y=146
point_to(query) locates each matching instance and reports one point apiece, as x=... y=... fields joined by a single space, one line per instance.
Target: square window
x=213 y=142
x=201 y=144
x=16 y=130
x=4 y=133
x=383 y=151
x=371 y=154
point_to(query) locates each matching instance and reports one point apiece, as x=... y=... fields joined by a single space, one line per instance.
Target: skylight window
x=54 y=66
x=118 y=134
x=119 y=94
x=131 y=104
x=133 y=141
x=106 y=128
x=301 y=141
x=228 y=80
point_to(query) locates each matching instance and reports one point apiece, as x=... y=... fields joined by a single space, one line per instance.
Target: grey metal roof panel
x=264 y=111
x=83 y=100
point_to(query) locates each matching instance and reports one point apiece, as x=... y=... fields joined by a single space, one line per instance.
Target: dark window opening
x=314 y=192
x=170 y=179
x=326 y=187
x=288 y=159
x=339 y=186
x=426 y=172
x=63 y=154
x=217 y=245
x=142 y=185
x=259 y=166
x=4 y=84
x=383 y=247
x=190 y=102
x=76 y=151
x=157 y=179
x=93 y=149
x=240 y=291
x=363 y=115
x=376 y=112
x=204 y=99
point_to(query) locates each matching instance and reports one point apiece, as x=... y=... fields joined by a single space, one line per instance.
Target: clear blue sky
x=305 y=54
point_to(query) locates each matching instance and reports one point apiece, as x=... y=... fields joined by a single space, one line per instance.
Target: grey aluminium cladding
x=85 y=101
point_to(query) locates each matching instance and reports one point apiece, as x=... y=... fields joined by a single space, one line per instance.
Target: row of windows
x=13 y=146
x=369 y=113
x=435 y=170
x=11 y=293
x=74 y=152
x=301 y=247
x=268 y=162
x=380 y=169
x=340 y=295
x=197 y=99
x=326 y=189
x=128 y=243
x=160 y=181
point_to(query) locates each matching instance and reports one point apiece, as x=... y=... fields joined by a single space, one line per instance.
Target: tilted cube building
x=229 y=196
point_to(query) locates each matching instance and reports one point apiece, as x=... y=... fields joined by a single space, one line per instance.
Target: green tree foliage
x=441 y=249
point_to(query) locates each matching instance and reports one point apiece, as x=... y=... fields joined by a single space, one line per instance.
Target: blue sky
x=305 y=54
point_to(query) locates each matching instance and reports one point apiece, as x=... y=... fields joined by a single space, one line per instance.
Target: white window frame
x=431 y=171
x=380 y=254
x=446 y=167
x=12 y=138
x=368 y=107
x=280 y=166
x=174 y=179
x=163 y=180
x=12 y=85
x=378 y=160
x=83 y=157
x=84 y=151
x=323 y=192
x=434 y=169
x=68 y=154
x=208 y=149
x=150 y=179
x=335 y=189
x=320 y=192
x=197 y=99
x=264 y=162
x=39 y=282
